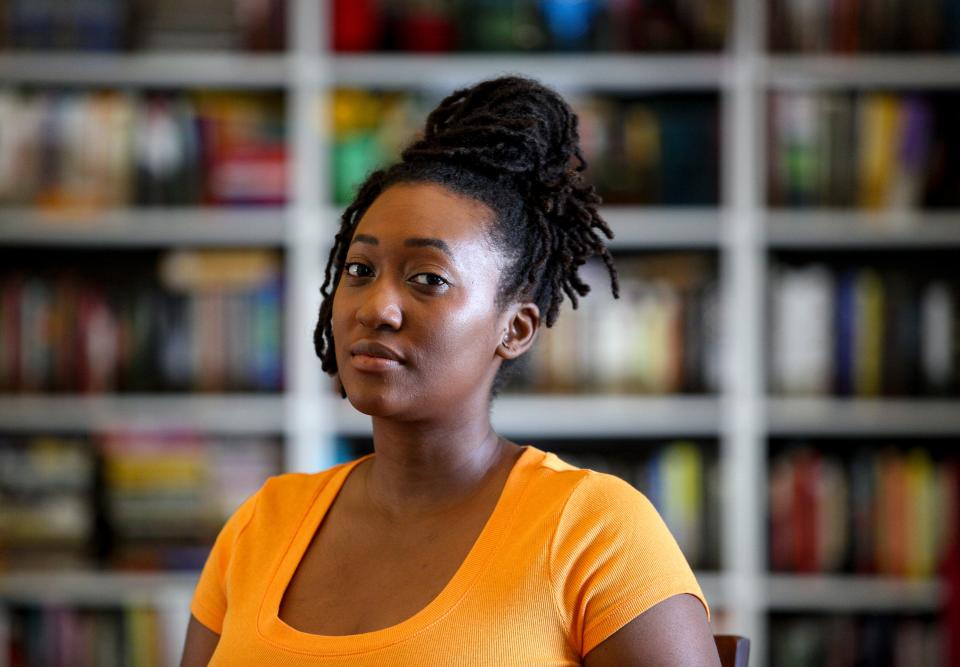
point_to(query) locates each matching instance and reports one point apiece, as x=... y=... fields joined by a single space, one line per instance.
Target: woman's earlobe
x=521 y=332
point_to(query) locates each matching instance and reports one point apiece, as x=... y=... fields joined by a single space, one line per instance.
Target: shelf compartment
x=241 y=414
x=849 y=593
x=856 y=417
x=844 y=229
x=145 y=227
x=582 y=416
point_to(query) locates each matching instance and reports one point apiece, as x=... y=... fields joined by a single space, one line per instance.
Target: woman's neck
x=422 y=471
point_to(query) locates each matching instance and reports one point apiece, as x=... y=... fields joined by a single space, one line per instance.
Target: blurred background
x=781 y=376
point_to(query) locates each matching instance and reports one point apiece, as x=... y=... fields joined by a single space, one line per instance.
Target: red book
x=357 y=25
x=951 y=573
x=805 y=503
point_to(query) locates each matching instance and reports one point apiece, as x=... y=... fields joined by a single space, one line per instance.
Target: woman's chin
x=374 y=405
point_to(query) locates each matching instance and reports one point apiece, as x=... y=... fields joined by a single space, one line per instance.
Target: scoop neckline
x=273 y=629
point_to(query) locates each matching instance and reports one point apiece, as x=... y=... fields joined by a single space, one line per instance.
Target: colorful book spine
x=887 y=512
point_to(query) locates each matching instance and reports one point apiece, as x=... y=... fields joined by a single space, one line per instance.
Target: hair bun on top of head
x=515 y=129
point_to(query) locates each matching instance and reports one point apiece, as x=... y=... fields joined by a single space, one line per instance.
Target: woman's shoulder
x=284 y=492
x=583 y=484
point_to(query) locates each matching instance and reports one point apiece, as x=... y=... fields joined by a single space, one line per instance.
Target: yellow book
x=921 y=515
x=868 y=375
x=682 y=476
x=880 y=120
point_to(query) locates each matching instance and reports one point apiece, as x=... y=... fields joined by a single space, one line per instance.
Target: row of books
x=680 y=478
x=887 y=511
x=91 y=150
x=855 y=329
x=133 y=500
x=134 y=636
x=852 y=26
x=186 y=320
x=530 y=25
x=115 y=25
x=873 y=150
x=843 y=640
x=659 y=149
x=661 y=336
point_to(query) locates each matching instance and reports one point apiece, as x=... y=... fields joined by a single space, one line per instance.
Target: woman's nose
x=380 y=307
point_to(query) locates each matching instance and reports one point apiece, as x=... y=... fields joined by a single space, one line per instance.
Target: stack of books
x=852 y=26
x=841 y=640
x=879 y=512
x=530 y=25
x=130 y=500
x=871 y=150
x=190 y=320
x=116 y=25
x=884 y=328
x=200 y=148
x=135 y=636
x=47 y=518
x=660 y=337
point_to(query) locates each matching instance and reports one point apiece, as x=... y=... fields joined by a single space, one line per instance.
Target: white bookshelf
x=844 y=229
x=742 y=232
x=160 y=226
x=227 y=413
x=180 y=70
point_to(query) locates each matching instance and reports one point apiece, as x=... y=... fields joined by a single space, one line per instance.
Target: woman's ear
x=520 y=330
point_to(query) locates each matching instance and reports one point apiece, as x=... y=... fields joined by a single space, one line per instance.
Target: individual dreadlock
x=512 y=144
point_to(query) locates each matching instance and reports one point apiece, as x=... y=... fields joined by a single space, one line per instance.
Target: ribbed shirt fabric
x=566 y=559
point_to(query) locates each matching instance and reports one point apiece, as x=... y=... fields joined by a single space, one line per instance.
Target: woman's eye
x=431 y=279
x=358 y=270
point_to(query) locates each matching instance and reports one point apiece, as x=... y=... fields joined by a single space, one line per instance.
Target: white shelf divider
x=575 y=71
x=852 y=594
x=742 y=265
x=862 y=417
x=826 y=229
x=581 y=416
x=145 y=227
x=220 y=413
x=861 y=71
x=95 y=588
x=140 y=70
x=650 y=228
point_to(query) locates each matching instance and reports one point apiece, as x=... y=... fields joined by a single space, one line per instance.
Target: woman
x=451 y=545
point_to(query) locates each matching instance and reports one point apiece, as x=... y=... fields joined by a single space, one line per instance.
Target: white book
x=802 y=330
x=937 y=335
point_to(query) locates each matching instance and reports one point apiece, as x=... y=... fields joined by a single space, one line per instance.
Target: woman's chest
x=356 y=577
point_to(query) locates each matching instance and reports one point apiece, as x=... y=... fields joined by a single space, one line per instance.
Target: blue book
x=845 y=341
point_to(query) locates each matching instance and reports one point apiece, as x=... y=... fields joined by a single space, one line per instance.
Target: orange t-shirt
x=566 y=559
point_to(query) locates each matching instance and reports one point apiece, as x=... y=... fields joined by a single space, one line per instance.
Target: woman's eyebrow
x=422 y=242
x=365 y=238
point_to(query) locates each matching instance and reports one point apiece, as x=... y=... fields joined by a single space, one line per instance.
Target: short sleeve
x=209 y=604
x=612 y=558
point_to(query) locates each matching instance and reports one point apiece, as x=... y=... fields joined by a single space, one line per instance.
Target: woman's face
x=415 y=323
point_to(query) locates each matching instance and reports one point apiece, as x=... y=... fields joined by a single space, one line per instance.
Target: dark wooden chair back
x=734 y=650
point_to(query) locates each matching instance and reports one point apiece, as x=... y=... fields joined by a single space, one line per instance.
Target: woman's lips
x=371 y=356
x=371 y=364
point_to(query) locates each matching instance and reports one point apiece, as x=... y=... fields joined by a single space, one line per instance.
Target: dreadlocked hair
x=512 y=144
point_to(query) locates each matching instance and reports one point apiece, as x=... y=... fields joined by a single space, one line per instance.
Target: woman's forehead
x=424 y=214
